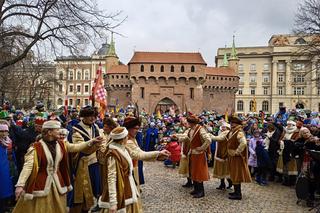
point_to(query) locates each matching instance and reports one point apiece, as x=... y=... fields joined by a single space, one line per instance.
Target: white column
x=274 y=78
x=288 y=79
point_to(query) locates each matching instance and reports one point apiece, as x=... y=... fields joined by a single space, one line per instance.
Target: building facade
x=274 y=76
x=154 y=80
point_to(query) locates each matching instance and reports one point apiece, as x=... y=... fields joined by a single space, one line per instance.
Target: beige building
x=273 y=76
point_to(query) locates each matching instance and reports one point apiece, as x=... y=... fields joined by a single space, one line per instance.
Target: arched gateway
x=165 y=105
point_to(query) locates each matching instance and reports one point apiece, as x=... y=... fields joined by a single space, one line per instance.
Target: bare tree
x=29 y=24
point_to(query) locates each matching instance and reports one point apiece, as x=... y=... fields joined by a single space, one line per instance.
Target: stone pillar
x=274 y=78
x=288 y=79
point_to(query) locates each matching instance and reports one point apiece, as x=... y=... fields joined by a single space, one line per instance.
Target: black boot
x=188 y=184
x=200 y=192
x=237 y=195
x=222 y=185
x=229 y=183
x=285 y=181
x=195 y=188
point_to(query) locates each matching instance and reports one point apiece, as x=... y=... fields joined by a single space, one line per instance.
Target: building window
x=192 y=93
x=71 y=102
x=280 y=90
x=252 y=67
x=142 y=92
x=162 y=68
x=60 y=101
x=86 y=102
x=61 y=76
x=78 y=88
x=86 y=89
x=60 y=88
x=298 y=90
x=71 y=75
x=280 y=77
x=299 y=78
x=240 y=106
x=86 y=75
x=240 y=68
x=192 y=69
x=240 y=91
x=78 y=102
x=152 y=68
x=266 y=78
x=265 y=90
x=182 y=68
x=266 y=67
x=280 y=66
x=79 y=75
x=172 y=68
x=252 y=78
x=265 y=106
x=241 y=79
x=251 y=106
x=298 y=66
x=252 y=91
x=142 y=68
x=70 y=88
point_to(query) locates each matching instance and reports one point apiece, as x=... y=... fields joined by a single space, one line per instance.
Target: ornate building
x=275 y=75
x=156 y=80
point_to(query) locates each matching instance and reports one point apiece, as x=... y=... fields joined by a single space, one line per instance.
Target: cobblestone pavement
x=163 y=193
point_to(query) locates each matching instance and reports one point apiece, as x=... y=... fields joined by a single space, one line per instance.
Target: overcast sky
x=198 y=25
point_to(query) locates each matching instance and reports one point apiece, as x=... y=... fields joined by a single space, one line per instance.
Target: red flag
x=100 y=92
x=65 y=106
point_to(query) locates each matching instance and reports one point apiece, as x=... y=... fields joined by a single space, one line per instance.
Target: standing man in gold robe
x=237 y=157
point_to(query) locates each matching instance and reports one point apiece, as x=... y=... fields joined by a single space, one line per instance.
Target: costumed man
x=151 y=137
x=287 y=165
x=133 y=126
x=44 y=180
x=221 y=167
x=120 y=193
x=199 y=151
x=237 y=157
x=86 y=169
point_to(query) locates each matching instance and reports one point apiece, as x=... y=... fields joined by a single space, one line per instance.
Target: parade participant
x=87 y=182
x=199 y=141
x=287 y=165
x=6 y=184
x=220 y=167
x=174 y=148
x=108 y=125
x=237 y=157
x=44 y=180
x=133 y=126
x=120 y=193
x=151 y=137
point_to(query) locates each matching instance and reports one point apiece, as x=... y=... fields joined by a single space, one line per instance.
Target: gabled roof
x=167 y=57
x=221 y=71
x=118 y=69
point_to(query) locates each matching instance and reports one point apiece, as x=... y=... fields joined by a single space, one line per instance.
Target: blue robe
x=139 y=138
x=151 y=139
x=6 y=186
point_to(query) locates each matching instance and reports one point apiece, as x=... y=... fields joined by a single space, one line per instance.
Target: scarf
x=6 y=142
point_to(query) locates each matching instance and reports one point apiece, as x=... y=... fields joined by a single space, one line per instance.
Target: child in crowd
x=263 y=160
x=174 y=148
x=252 y=161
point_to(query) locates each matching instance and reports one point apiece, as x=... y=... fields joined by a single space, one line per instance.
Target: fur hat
x=4 y=127
x=119 y=133
x=236 y=120
x=193 y=119
x=88 y=111
x=52 y=124
x=130 y=122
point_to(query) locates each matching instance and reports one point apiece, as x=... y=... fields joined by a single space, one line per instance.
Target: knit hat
x=130 y=122
x=52 y=124
x=39 y=120
x=4 y=127
x=4 y=115
x=119 y=133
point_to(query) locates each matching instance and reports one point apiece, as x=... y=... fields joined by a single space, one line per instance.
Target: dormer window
x=300 y=41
